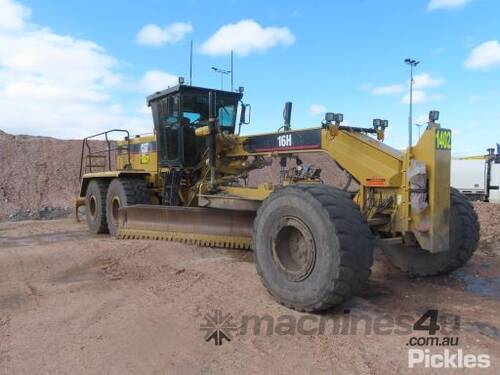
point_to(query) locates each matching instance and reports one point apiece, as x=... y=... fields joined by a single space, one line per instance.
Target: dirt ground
x=73 y=303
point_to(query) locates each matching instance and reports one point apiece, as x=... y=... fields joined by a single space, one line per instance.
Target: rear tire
x=312 y=247
x=95 y=206
x=464 y=237
x=124 y=191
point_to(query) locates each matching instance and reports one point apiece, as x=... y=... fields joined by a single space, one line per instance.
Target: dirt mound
x=37 y=173
x=489 y=217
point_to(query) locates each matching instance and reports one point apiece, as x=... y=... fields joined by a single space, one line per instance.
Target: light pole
x=412 y=63
x=222 y=72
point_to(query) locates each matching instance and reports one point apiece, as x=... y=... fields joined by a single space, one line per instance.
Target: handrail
x=107 y=150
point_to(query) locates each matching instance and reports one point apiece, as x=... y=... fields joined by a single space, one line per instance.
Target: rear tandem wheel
x=124 y=191
x=95 y=206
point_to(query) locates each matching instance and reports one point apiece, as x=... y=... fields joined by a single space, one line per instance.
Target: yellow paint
x=431 y=228
x=253 y=193
x=202 y=132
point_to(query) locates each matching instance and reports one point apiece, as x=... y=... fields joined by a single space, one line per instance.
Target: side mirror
x=246 y=109
x=245 y=113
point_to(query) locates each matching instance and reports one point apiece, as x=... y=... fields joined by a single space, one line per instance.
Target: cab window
x=195 y=110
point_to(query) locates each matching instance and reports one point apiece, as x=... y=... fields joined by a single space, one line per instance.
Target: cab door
x=169 y=133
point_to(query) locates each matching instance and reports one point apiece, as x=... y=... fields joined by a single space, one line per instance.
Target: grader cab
x=312 y=243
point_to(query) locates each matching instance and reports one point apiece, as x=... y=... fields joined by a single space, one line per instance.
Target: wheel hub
x=93 y=206
x=293 y=248
x=115 y=206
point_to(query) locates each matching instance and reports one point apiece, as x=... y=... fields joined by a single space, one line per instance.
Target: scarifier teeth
x=231 y=242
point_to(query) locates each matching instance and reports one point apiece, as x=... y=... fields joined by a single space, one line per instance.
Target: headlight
x=329 y=117
x=433 y=116
x=338 y=117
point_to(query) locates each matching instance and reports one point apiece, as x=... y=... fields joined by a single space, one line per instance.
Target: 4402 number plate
x=443 y=139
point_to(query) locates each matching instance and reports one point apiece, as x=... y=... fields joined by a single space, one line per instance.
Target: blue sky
x=68 y=69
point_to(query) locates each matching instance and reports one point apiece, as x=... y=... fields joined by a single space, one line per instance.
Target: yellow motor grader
x=312 y=243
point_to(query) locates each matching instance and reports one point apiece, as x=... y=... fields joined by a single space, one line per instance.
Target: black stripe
x=284 y=141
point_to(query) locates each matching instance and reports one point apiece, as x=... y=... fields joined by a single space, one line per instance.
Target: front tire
x=124 y=191
x=312 y=247
x=464 y=237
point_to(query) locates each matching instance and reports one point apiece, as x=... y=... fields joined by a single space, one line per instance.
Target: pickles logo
x=218 y=327
x=443 y=139
x=446 y=359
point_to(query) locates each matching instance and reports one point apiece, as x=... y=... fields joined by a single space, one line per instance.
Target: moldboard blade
x=193 y=225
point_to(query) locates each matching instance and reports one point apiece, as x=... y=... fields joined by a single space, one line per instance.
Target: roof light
x=433 y=116
x=329 y=117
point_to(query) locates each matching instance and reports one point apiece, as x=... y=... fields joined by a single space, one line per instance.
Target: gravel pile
x=37 y=173
x=489 y=217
